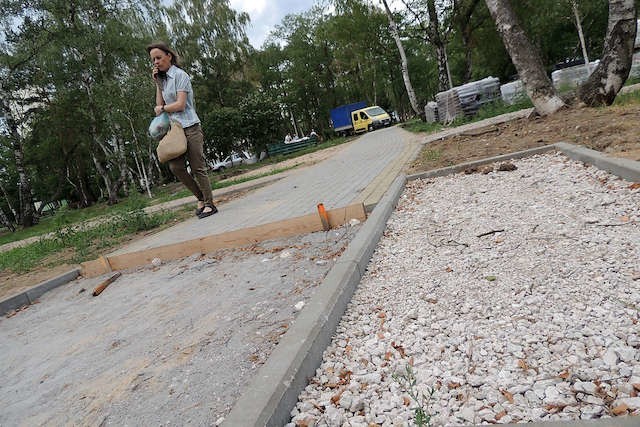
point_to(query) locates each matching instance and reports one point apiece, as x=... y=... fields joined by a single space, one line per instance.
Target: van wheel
x=370 y=129
x=221 y=169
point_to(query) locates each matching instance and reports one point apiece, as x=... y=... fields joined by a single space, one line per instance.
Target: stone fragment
x=610 y=358
x=585 y=387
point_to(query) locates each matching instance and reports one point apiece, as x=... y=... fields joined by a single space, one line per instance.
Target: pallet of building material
x=474 y=95
x=431 y=112
x=448 y=106
x=232 y=239
x=513 y=92
x=571 y=77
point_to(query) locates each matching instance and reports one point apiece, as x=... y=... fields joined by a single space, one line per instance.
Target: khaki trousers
x=197 y=181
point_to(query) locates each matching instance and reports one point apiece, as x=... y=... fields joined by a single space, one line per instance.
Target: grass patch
x=431 y=155
x=627 y=98
x=83 y=241
x=419 y=126
x=66 y=216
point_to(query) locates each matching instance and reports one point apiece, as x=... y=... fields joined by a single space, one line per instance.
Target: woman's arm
x=174 y=107
x=159 y=98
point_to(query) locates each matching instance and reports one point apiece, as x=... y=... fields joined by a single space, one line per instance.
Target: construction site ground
x=175 y=343
x=612 y=130
x=185 y=336
x=166 y=345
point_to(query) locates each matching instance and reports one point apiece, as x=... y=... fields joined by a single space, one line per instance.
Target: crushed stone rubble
x=511 y=296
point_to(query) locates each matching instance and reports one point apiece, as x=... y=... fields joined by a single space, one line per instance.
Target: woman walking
x=174 y=95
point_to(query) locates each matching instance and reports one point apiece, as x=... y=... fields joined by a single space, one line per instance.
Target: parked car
x=234 y=159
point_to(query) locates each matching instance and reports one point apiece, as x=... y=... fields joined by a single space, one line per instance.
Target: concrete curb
x=273 y=392
x=606 y=422
x=30 y=295
x=462 y=166
x=624 y=168
x=503 y=118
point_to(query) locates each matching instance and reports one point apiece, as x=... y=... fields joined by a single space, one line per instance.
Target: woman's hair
x=175 y=60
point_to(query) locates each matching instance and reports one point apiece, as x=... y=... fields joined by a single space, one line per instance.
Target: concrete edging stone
x=624 y=168
x=30 y=295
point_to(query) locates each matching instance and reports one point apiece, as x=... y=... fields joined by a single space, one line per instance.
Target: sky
x=266 y=14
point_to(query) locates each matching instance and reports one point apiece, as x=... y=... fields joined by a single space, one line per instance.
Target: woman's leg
x=178 y=168
x=195 y=155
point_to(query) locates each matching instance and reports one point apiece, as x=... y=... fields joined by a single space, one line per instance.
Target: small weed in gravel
x=407 y=381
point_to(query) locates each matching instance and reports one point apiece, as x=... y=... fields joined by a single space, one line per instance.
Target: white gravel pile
x=514 y=295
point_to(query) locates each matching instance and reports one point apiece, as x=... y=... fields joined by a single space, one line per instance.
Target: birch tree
x=525 y=58
x=434 y=32
x=607 y=79
x=404 y=63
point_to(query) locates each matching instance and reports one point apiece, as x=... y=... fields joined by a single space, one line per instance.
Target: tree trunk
x=405 y=68
x=468 y=57
x=607 y=79
x=104 y=174
x=444 y=83
x=525 y=58
x=6 y=196
x=583 y=45
x=463 y=11
x=27 y=211
x=5 y=222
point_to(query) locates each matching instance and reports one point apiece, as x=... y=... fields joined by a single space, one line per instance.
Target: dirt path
x=612 y=130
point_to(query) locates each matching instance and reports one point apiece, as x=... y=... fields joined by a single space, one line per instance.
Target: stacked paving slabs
x=571 y=77
x=448 y=106
x=431 y=112
x=513 y=92
x=466 y=99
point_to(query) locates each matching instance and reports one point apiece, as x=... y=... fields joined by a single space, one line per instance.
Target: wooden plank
x=340 y=216
x=231 y=239
x=93 y=268
x=106 y=263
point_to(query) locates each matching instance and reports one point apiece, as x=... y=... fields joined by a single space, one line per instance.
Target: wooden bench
x=282 y=149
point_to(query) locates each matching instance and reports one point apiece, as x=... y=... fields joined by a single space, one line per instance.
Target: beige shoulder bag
x=173 y=144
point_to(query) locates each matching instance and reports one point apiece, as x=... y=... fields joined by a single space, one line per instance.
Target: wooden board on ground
x=231 y=239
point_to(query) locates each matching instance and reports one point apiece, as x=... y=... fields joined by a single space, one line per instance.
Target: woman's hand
x=154 y=73
x=159 y=109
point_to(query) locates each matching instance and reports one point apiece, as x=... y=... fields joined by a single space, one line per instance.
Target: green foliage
x=82 y=239
x=222 y=127
x=408 y=382
x=260 y=121
x=628 y=98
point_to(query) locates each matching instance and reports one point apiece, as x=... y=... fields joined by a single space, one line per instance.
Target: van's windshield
x=375 y=111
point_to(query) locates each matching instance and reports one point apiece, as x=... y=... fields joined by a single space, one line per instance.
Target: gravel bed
x=514 y=296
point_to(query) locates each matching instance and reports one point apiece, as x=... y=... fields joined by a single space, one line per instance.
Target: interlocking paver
x=336 y=182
